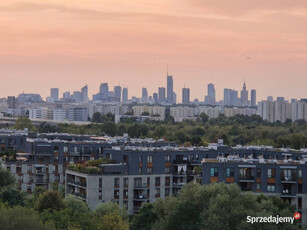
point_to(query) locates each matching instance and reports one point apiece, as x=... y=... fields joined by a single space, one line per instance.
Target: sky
x=67 y=44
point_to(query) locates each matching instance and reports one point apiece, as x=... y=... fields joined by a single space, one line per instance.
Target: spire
x=167 y=70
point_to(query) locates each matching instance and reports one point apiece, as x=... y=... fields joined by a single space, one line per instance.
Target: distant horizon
x=65 y=45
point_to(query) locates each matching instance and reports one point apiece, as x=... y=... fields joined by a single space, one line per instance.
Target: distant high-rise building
x=174 y=98
x=170 y=91
x=12 y=102
x=210 y=98
x=117 y=93
x=125 y=95
x=269 y=98
x=155 y=97
x=244 y=96
x=281 y=99
x=230 y=97
x=54 y=93
x=253 y=98
x=185 y=95
x=66 y=95
x=161 y=94
x=77 y=96
x=84 y=93
x=104 y=91
x=144 y=95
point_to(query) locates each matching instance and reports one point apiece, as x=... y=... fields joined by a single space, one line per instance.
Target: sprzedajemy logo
x=273 y=219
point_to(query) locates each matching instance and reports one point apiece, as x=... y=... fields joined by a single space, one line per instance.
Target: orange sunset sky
x=67 y=44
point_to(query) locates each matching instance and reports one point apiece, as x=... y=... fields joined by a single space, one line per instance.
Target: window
x=149 y=159
x=100 y=182
x=65 y=149
x=140 y=170
x=140 y=159
x=300 y=188
x=271 y=188
x=29 y=186
x=258 y=172
x=75 y=149
x=157 y=181
x=126 y=182
x=20 y=178
x=137 y=182
x=149 y=170
x=116 y=182
x=167 y=192
x=230 y=172
x=100 y=194
x=157 y=192
x=125 y=194
x=300 y=174
x=56 y=149
x=167 y=181
x=167 y=158
x=258 y=186
x=116 y=194
x=213 y=172
x=167 y=169
x=271 y=173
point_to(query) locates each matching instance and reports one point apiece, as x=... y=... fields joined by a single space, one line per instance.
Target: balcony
x=41 y=181
x=81 y=195
x=179 y=185
x=288 y=179
x=77 y=183
x=180 y=174
x=141 y=198
x=287 y=193
x=246 y=178
x=180 y=162
x=141 y=186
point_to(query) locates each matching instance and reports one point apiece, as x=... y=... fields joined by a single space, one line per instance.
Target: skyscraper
x=66 y=95
x=117 y=93
x=185 y=95
x=155 y=97
x=170 y=91
x=144 y=95
x=54 y=93
x=230 y=97
x=125 y=95
x=244 y=96
x=104 y=91
x=12 y=102
x=84 y=93
x=253 y=98
x=161 y=94
x=210 y=98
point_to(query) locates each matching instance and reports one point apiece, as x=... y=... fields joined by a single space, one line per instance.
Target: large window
x=213 y=172
x=271 y=173
x=271 y=188
x=230 y=172
x=149 y=159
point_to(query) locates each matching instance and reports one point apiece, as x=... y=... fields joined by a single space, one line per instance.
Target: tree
x=50 y=200
x=111 y=207
x=24 y=122
x=6 y=178
x=22 y=219
x=13 y=196
x=96 y=117
x=204 y=117
x=109 y=128
x=113 y=221
x=144 y=219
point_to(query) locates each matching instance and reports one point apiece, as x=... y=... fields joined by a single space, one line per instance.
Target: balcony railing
x=246 y=177
x=78 y=183
x=140 y=197
x=291 y=178
x=144 y=185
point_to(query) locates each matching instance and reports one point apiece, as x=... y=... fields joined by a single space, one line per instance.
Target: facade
x=144 y=95
x=54 y=93
x=117 y=93
x=125 y=95
x=185 y=96
x=253 y=98
x=170 y=90
x=161 y=95
x=104 y=91
x=210 y=98
x=12 y=102
x=230 y=97
x=84 y=93
x=244 y=96
x=157 y=112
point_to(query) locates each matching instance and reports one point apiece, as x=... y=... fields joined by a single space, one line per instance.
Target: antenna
x=167 y=69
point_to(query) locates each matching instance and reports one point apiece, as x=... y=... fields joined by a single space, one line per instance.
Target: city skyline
x=203 y=42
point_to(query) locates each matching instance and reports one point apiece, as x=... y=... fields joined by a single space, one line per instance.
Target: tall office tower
x=185 y=95
x=210 y=98
x=66 y=95
x=117 y=93
x=77 y=96
x=155 y=97
x=54 y=93
x=104 y=91
x=174 y=98
x=269 y=98
x=84 y=93
x=161 y=94
x=125 y=95
x=281 y=99
x=230 y=97
x=244 y=96
x=170 y=91
x=253 y=98
x=12 y=102
x=144 y=95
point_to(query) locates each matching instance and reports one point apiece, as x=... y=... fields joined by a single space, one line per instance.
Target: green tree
x=96 y=117
x=12 y=195
x=50 y=200
x=111 y=207
x=109 y=128
x=113 y=221
x=144 y=219
x=24 y=122
x=22 y=219
x=204 y=117
x=6 y=178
